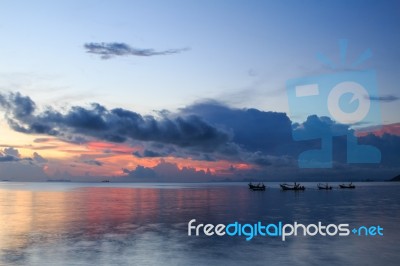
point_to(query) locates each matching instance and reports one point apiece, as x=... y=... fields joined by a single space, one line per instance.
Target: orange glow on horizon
x=100 y=158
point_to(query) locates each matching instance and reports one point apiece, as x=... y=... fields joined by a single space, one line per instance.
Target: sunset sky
x=186 y=90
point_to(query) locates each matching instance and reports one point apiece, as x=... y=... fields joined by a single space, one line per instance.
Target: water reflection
x=117 y=225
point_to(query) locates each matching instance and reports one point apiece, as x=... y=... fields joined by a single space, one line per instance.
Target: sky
x=191 y=91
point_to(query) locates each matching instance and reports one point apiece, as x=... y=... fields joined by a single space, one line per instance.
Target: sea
x=53 y=223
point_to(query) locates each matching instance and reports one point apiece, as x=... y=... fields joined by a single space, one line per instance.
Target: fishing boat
x=326 y=186
x=347 y=186
x=292 y=187
x=256 y=187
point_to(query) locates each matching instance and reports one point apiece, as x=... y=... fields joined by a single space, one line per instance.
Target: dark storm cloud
x=116 y=125
x=252 y=129
x=386 y=98
x=108 y=50
x=20 y=106
x=316 y=127
x=265 y=138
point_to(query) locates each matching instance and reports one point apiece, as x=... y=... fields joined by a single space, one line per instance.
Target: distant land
x=396 y=178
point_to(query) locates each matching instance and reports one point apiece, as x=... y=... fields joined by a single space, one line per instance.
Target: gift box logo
x=344 y=98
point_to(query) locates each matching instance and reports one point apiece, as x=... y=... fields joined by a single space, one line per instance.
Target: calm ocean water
x=146 y=224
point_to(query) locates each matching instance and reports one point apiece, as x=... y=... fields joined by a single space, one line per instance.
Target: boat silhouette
x=292 y=187
x=326 y=186
x=347 y=186
x=257 y=187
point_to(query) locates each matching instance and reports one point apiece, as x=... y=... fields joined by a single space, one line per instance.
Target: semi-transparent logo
x=344 y=97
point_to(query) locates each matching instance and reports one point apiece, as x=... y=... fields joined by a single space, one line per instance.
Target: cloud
x=17 y=168
x=21 y=171
x=20 y=106
x=149 y=153
x=38 y=158
x=206 y=133
x=93 y=162
x=140 y=172
x=9 y=154
x=109 y=50
x=12 y=152
x=165 y=171
x=388 y=144
x=253 y=130
x=392 y=129
x=316 y=127
x=7 y=158
x=386 y=98
x=42 y=140
x=79 y=124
